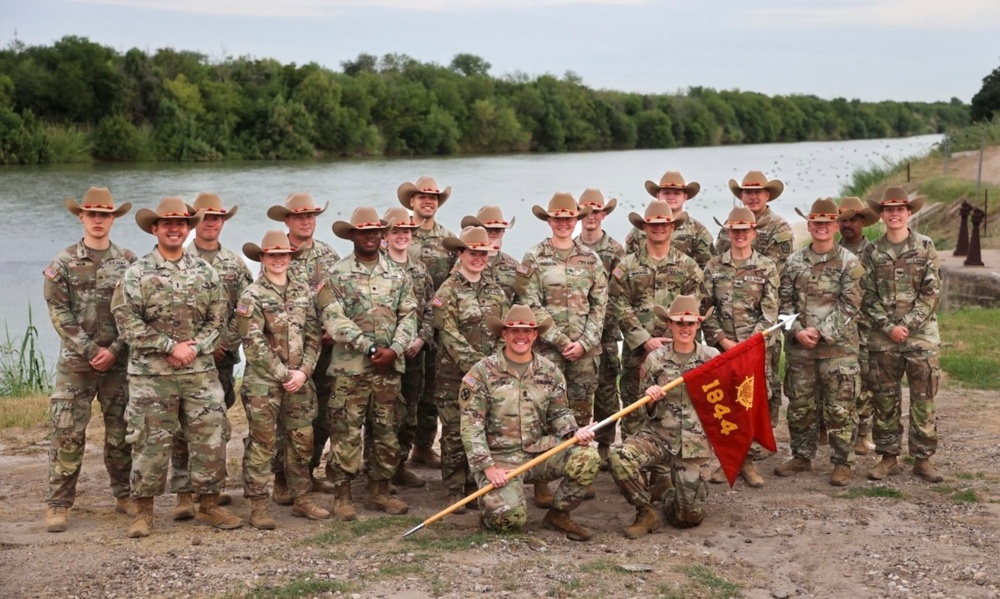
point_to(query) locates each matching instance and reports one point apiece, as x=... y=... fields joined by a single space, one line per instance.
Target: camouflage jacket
x=638 y=283
x=573 y=292
x=427 y=248
x=857 y=249
x=673 y=418
x=506 y=418
x=235 y=277
x=864 y=323
x=611 y=253
x=691 y=239
x=460 y=311
x=280 y=332
x=503 y=270
x=78 y=294
x=902 y=290
x=744 y=298
x=774 y=238
x=825 y=291
x=423 y=291
x=315 y=264
x=360 y=308
x=159 y=304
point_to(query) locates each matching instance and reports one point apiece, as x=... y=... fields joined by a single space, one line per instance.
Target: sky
x=903 y=50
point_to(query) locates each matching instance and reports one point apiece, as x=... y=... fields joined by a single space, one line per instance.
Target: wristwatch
x=371 y=350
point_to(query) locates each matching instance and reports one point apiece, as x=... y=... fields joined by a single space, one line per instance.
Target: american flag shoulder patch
x=470 y=381
x=51 y=272
x=437 y=302
x=524 y=269
x=618 y=273
x=243 y=309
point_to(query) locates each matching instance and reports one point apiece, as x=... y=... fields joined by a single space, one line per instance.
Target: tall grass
x=22 y=365
x=970 y=138
x=67 y=144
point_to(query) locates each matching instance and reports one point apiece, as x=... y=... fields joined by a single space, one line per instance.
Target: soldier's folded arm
x=208 y=336
x=258 y=351
x=313 y=333
x=63 y=319
x=927 y=295
x=133 y=329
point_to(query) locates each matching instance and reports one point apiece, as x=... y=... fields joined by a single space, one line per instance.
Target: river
x=36 y=225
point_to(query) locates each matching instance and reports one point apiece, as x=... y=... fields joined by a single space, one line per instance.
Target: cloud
x=885 y=13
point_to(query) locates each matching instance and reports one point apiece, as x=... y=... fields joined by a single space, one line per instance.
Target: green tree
x=654 y=130
x=116 y=139
x=986 y=102
x=469 y=65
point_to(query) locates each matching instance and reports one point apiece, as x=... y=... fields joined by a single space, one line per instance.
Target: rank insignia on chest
x=437 y=302
x=244 y=309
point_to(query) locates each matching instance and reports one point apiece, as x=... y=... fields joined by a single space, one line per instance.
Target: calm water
x=36 y=225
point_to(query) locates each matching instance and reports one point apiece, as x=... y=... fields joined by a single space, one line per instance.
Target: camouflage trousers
x=427 y=411
x=410 y=396
x=864 y=402
x=323 y=383
x=581 y=382
x=684 y=504
x=607 y=401
x=162 y=406
x=505 y=510
x=454 y=463
x=771 y=368
x=922 y=370
x=180 y=477
x=631 y=393
x=279 y=439
x=69 y=413
x=368 y=399
x=827 y=386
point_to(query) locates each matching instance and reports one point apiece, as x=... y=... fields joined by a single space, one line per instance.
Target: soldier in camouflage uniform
x=424 y=197
x=822 y=284
x=314 y=264
x=690 y=238
x=565 y=279
x=671 y=433
x=902 y=288
x=368 y=308
x=775 y=241
x=461 y=307
x=170 y=309
x=742 y=288
x=852 y=239
x=78 y=287
x=607 y=401
x=235 y=277
x=514 y=407
x=502 y=267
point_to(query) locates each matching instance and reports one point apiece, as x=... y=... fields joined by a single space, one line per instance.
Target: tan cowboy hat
x=296 y=203
x=562 y=205
x=825 y=210
x=274 y=242
x=97 y=199
x=428 y=185
x=212 y=204
x=362 y=219
x=739 y=218
x=518 y=317
x=684 y=308
x=657 y=212
x=757 y=180
x=595 y=200
x=400 y=218
x=673 y=180
x=488 y=217
x=855 y=204
x=172 y=208
x=471 y=238
x=896 y=196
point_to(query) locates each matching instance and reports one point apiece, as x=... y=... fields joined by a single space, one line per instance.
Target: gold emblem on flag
x=744 y=393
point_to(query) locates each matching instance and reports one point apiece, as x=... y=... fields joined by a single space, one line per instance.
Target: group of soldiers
x=420 y=329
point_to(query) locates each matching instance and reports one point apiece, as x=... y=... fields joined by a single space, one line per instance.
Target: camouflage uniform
x=825 y=290
x=158 y=304
x=506 y=421
x=669 y=434
x=460 y=311
x=359 y=308
x=691 y=238
x=502 y=268
x=863 y=403
x=574 y=292
x=314 y=265
x=637 y=284
x=78 y=293
x=280 y=332
x=607 y=400
x=903 y=290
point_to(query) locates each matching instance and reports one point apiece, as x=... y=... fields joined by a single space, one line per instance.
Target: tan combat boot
x=210 y=513
x=886 y=467
x=184 y=510
x=260 y=517
x=405 y=478
x=750 y=475
x=143 y=522
x=380 y=499
x=126 y=505
x=279 y=491
x=794 y=466
x=659 y=484
x=926 y=470
x=426 y=456
x=604 y=452
x=454 y=498
x=543 y=496
x=646 y=521
x=320 y=485
x=304 y=508
x=863 y=444
x=841 y=475
x=56 y=518
x=343 y=509
x=559 y=521
x=224 y=498
x=719 y=476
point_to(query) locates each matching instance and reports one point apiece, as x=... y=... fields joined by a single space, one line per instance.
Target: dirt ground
x=966 y=165
x=795 y=537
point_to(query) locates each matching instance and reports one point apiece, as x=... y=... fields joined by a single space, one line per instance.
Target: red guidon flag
x=729 y=393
